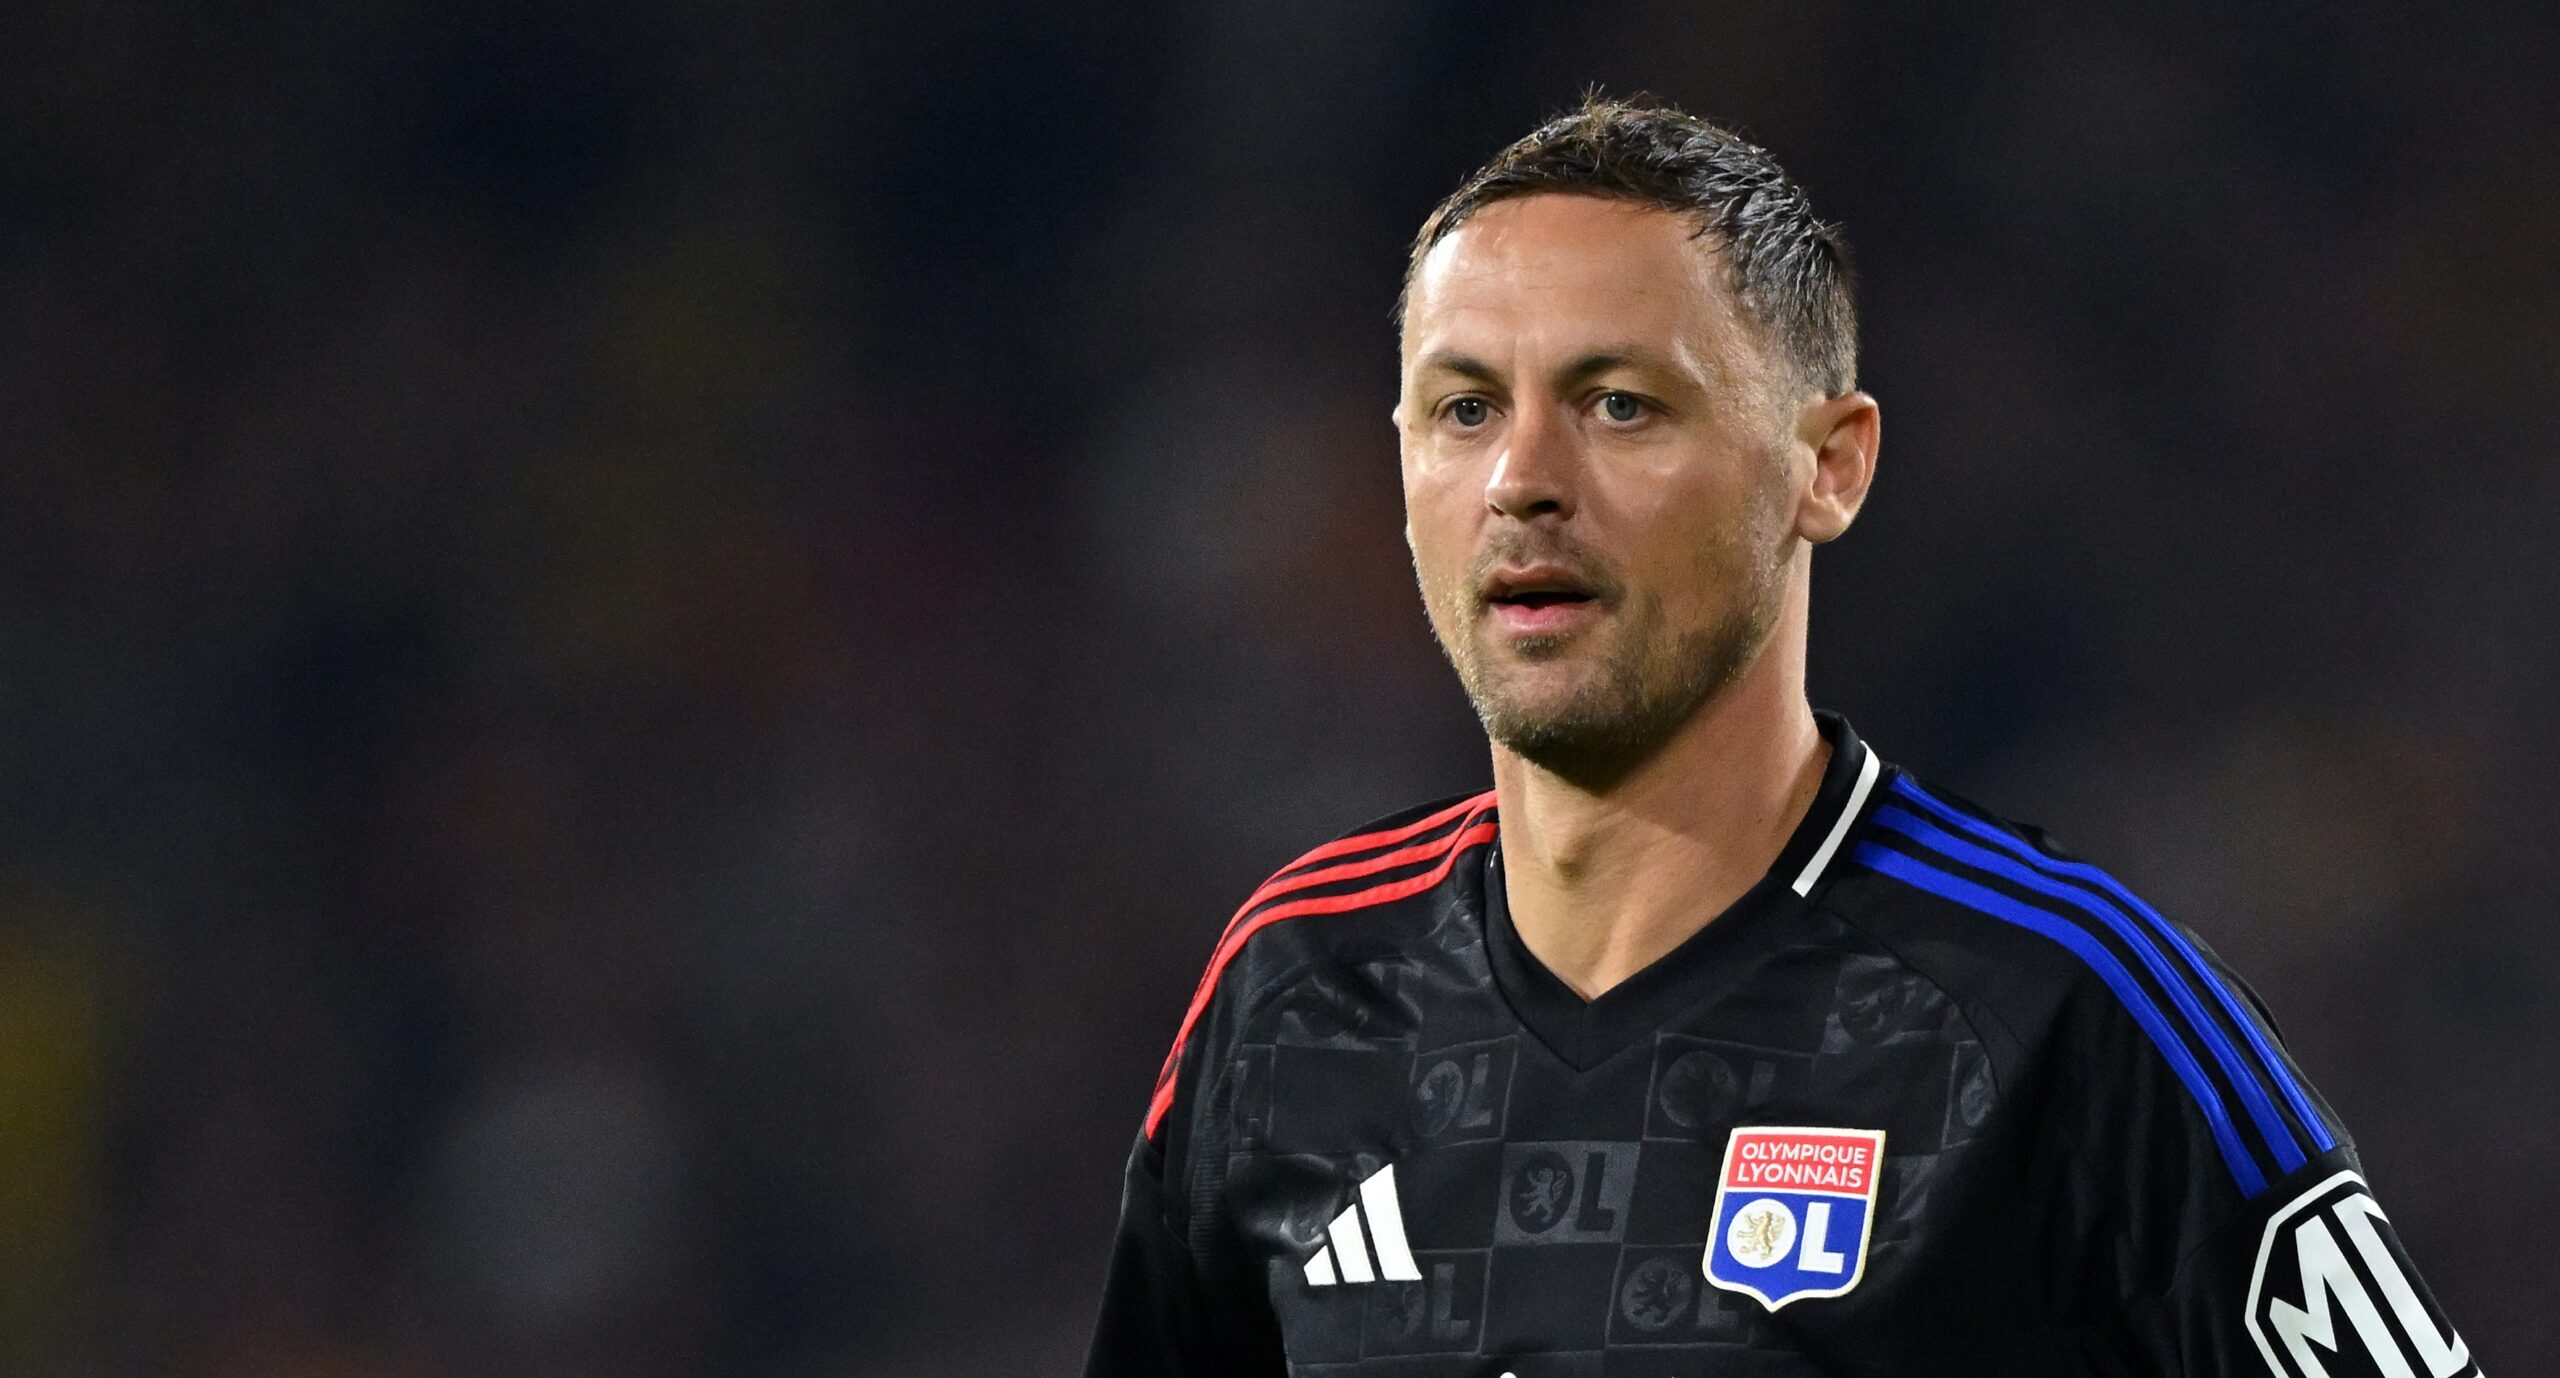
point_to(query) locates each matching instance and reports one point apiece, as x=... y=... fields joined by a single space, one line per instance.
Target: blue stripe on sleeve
x=2084 y=945
x=2277 y=1068
x=2262 y=1111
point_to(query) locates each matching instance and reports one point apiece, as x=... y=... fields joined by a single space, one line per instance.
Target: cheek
x=1438 y=524
x=1684 y=539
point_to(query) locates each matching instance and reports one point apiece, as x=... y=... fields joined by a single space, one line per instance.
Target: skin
x=1583 y=400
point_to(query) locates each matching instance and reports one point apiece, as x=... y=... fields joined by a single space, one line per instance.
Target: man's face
x=1596 y=485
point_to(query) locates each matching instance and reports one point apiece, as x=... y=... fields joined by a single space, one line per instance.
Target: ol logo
x=1793 y=1207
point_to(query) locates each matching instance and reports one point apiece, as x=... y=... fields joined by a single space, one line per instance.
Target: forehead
x=1558 y=272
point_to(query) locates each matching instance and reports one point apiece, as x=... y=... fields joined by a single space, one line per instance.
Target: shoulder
x=1992 y=904
x=2078 y=970
x=1362 y=882
x=1372 y=889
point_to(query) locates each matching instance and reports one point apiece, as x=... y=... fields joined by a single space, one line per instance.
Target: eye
x=1621 y=407
x=1470 y=412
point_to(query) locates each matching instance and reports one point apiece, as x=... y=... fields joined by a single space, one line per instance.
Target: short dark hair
x=1788 y=270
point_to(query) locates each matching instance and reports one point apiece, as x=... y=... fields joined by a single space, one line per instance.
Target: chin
x=1534 y=719
x=1539 y=691
x=1591 y=751
x=1535 y=652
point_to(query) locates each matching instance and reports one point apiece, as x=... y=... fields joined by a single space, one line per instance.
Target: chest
x=1743 y=1182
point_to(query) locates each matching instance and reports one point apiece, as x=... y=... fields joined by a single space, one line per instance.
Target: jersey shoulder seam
x=1412 y=852
x=1973 y=859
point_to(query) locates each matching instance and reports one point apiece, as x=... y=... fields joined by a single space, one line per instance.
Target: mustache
x=1514 y=547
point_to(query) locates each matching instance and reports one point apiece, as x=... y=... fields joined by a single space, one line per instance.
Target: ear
x=1842 y=434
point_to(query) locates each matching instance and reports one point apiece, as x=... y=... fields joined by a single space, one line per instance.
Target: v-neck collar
x=1585 y=1034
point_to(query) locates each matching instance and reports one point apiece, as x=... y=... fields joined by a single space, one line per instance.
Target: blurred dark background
x=643 y=644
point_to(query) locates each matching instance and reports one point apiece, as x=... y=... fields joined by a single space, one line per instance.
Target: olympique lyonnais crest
x=1793 y=1208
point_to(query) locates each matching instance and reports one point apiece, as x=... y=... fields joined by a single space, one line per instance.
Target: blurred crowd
x=642 y=645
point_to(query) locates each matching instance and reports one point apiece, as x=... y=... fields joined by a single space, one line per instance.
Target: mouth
x=1541 y=600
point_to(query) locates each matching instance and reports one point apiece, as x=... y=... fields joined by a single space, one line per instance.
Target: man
x=1706 y=1042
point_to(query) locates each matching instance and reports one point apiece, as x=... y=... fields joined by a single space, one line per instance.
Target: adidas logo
x=1346 y=1258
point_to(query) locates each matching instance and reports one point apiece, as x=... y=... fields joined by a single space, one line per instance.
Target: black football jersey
x=1932 y=1098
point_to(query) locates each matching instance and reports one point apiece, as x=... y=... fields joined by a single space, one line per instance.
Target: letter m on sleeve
x=2332 y=1294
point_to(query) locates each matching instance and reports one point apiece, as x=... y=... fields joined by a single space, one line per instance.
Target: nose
x=1534 y=475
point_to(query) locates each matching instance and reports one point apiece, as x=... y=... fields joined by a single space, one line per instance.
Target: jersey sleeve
x=2241 y=1236
x=1154 y=1323
x=1180 y=1299
x=2308 y=1281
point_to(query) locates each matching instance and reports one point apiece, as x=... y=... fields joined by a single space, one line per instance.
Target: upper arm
x=1153 y=1323
x=2290 y=1271
x=2310 y=1281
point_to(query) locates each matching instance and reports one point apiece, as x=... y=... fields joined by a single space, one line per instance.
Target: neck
x=1603 y=881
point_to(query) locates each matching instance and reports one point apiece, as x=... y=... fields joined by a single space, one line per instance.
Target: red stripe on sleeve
x=1448 y=849
x=1339 y=846
x=1290 y=879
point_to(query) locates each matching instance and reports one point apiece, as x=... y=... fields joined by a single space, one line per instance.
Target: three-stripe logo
x=2194 y=1017
x=1345 y=1257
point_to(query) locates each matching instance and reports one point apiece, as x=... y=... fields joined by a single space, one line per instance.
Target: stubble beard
x=1624 y=708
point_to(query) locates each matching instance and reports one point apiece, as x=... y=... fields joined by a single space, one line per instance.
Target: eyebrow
x=1584 y=366
x=1463 y=365
x=1599 y=361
